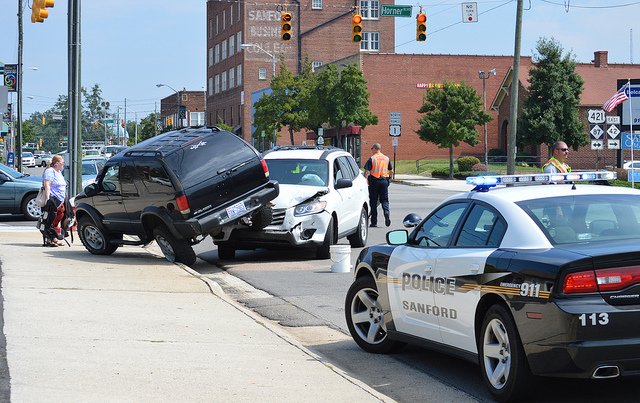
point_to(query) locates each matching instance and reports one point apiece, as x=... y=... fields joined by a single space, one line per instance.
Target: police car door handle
x=475 y=267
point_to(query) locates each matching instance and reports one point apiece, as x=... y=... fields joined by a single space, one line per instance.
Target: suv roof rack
x=484 y=183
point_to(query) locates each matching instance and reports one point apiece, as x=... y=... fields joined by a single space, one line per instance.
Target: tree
x=550 y=112
x=95 y=108
x=451 y=115
x=352 y=99
x=148 y=126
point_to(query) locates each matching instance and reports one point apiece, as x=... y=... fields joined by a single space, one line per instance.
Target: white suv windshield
x=299 y=171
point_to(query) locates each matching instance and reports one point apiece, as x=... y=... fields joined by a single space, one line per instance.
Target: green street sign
x=389 y=10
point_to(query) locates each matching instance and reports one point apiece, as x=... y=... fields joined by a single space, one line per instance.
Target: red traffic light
x=356 y=28
x=285 y=25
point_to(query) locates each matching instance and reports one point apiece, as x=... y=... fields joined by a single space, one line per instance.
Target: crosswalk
x=17 y=228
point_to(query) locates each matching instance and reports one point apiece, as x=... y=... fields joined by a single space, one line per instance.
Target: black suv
x=176 y=188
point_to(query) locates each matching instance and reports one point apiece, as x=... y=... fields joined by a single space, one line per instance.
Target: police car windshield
x=299 y=171
x=586 y=218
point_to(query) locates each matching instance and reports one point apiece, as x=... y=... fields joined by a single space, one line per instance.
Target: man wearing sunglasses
x=557 y=163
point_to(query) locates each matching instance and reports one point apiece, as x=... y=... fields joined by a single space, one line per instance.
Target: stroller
x=49 y=220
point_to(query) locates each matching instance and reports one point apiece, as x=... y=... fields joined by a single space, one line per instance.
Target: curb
x=217 y=290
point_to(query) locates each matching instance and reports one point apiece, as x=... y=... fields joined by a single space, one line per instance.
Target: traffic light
x=421 y=27
x=122 y=123
x=285 y=22
x=43 y=120
x=40 y=142
x=356 y=28
x=96 y=124
x=169 y=121
x=39 y=10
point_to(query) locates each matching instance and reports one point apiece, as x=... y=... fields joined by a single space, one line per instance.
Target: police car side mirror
x=397 y=237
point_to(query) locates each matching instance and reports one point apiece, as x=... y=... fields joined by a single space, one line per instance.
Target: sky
x=129 y=46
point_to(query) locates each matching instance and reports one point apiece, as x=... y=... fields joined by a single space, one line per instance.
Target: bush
x=623 y=174
x=479 y=167
x=443 y=172
x=466 y=163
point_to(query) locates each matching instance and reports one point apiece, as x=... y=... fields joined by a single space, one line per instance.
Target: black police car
x=176 y=188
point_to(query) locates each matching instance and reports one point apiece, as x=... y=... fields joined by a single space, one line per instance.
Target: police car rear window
x=586 y=218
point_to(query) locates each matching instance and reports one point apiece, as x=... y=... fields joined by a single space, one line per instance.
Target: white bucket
x=341 y=258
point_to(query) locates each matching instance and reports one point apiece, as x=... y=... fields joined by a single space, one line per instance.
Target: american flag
x=617 y=98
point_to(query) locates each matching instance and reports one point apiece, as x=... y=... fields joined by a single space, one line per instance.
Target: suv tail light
x=183 y=204
x=265 y=168
x=603 y=280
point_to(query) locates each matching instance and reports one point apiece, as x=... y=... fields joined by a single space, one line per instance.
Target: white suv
x=323 y=197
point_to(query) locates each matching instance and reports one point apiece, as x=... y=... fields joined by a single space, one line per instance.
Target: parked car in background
x=91 y=167
x=91 y=152
x=110 y=151
x=43 y=160
x=175 y=188
x=18 y=192
x=631 y=164
x=323 y=197
x=28 y=160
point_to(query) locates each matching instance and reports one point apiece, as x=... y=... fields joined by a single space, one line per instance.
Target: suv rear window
x=192 y=163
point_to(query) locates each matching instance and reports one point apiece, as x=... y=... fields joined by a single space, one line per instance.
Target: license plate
x=236 y=210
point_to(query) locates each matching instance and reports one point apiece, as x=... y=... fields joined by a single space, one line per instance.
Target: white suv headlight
x=312 y=207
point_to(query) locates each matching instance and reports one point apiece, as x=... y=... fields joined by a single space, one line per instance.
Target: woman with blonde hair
x=55 y=187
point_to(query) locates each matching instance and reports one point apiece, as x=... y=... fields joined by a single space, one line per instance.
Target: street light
x=179 y=103
x=484 y=76
x=273 y=57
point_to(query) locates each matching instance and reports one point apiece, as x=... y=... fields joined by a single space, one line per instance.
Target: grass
x=426 y=166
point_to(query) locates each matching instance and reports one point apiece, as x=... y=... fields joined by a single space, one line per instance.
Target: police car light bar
x=486 y=182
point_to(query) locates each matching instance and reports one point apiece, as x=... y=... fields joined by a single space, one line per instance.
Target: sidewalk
x=456 y=185
x=133 y=327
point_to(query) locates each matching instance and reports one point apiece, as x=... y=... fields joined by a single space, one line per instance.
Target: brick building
x=321 y=33
x=191 y=103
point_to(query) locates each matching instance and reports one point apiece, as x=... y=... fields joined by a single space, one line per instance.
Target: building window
x=217 y=53
x=370 y=9
x=223 y=45
x=370 y=42
x=239 y=74
x=224 y=19
x=262 y=73
x=239 y=40
x=224 y=81
x=185 y=97
x=210 y=29
x=315 y=64
x=210 y=85
x=217 y=24
x=210 y=57
x=232 y=78
x=217 y=82
x=196 y=118
x=316 y=5
x=232 y=45
x=231 y=15
x=239 y=13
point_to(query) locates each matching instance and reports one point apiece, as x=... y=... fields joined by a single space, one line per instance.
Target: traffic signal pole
x=513 y=106
x=17 y=145
x=73 y=121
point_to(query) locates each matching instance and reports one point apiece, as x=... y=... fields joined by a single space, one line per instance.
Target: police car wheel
x=502 y=360
x=365 y=319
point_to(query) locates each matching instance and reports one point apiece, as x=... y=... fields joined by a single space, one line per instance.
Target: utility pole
x=124 y=128
x=513 y=107
x=18 y=143
x=74 y=135
x=135 y=116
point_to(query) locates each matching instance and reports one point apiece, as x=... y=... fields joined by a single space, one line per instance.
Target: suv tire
x=93 y=239
x=324 y=251
x=174 y=249
x=359 y=238
x=226 y=251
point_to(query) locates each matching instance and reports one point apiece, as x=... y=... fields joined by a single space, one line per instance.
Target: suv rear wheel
x=92 y=237
x=174 y=249
x=226 y=251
